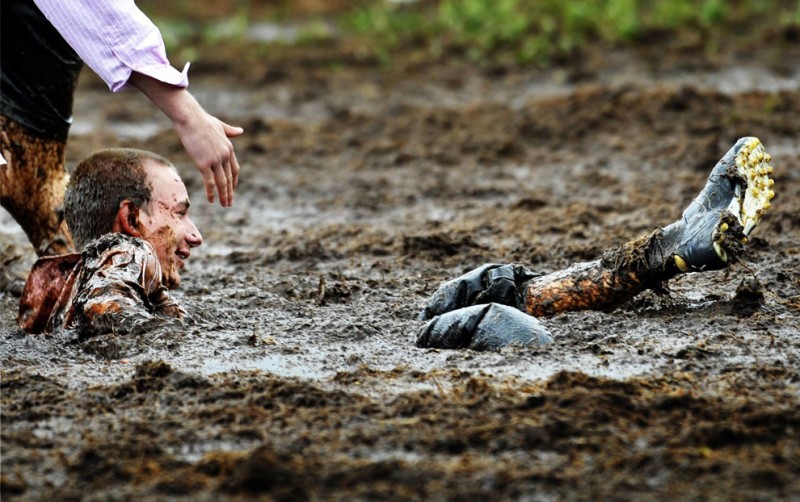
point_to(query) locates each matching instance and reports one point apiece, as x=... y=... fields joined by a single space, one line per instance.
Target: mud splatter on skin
x=585 y=286
x=166 y=242
x=165 y=222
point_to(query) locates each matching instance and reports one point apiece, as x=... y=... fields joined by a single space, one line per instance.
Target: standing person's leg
x=32 y=186
x=38 y=76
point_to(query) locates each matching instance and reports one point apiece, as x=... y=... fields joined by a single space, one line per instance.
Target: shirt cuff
x=162 y=73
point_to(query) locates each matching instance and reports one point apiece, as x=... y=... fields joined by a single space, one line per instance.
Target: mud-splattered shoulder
x=132 y=254
x=121 y=288
x=115 y=243
x=48 y=292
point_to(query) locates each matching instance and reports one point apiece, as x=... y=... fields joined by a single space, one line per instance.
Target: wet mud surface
x=297 y=377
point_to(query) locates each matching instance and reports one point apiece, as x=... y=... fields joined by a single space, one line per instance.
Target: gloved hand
x=483 y=327
x=491 y=283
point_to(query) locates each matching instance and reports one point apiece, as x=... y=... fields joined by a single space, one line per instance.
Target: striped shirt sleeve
x=114 y=38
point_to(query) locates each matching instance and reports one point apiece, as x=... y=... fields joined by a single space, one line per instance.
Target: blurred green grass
x=507 y=32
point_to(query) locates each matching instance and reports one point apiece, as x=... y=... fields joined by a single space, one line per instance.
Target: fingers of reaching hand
x=222 y=180
x=208 y=181
x=230 y=182
x=227 y=177
x=234 y=171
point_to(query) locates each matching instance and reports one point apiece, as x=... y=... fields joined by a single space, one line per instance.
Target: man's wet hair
x=98 y=186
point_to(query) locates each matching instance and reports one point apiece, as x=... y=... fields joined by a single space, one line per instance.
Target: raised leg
x=710 y=235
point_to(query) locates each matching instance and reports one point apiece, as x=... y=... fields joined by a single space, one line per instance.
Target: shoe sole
x=753 y=194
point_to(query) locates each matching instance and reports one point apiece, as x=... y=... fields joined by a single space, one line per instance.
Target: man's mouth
x=182 y=257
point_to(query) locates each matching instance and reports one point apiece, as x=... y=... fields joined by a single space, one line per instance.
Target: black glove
x=491 y=283
x=483 y=327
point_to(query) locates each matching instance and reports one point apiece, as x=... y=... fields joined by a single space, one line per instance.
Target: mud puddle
x=297 y=376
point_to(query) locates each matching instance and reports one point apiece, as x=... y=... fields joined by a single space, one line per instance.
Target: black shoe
x=483 y=327
x=491 y=283
x=715 y=227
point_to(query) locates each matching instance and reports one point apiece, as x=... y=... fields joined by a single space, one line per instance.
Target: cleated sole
x=716 y=226
x=755 y=191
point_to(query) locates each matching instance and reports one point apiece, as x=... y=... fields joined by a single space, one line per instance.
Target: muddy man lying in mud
x=494 y=305
x=128 y=211
x=129 y=214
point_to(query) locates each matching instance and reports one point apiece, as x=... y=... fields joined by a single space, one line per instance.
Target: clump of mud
x=167 y=433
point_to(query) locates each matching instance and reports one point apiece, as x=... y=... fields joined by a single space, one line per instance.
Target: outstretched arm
x=123 y=46
x=205 y=137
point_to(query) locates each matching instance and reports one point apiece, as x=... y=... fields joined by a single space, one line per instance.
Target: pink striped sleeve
x=114 y=38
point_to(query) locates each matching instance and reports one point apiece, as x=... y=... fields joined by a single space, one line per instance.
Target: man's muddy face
x=165 y=222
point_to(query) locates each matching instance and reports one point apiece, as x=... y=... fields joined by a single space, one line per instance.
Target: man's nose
x=193 y=237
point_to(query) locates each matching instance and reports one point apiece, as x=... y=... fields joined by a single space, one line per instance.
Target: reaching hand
x=205 y=137
x=206 y=140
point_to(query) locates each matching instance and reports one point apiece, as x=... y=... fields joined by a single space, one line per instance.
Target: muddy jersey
x=113 y=285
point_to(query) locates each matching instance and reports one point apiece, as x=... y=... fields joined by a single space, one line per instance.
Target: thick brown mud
x=363 y=189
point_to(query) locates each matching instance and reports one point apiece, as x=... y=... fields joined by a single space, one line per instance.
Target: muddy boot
x=491 y=283
x=483 y=327
x=32 y=187
x=715 y=227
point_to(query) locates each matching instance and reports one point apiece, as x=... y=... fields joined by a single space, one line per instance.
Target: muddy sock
x=32 y=187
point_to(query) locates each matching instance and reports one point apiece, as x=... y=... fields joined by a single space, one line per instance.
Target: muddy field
x=362 y=189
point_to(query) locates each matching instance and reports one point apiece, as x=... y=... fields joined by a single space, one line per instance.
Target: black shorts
x=38 y=71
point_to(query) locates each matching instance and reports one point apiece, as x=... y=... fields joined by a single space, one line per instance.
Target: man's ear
x=127 y=220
